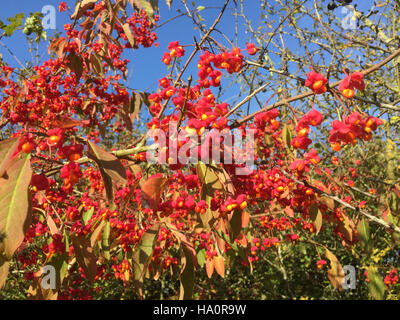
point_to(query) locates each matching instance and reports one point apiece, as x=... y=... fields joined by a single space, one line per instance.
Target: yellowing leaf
x=52 y=225
x=7 y=148
x=335 y=273
x=96 y=64
x=219 y=264
x=316 y=217
x=4 y=267
x=15 y=204
x=142 y=255
x=60 y=264
x=364 y=235
x=149 y=6
x=346 y=227
x=376 y=285
x=96 y=235
x=128 y=33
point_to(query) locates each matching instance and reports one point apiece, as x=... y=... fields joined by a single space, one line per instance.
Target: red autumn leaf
x=245 y=218
x=210 y=267
x=152 y=190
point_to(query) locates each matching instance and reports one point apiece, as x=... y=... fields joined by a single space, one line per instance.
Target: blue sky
x=146 y=65
x=147 y=62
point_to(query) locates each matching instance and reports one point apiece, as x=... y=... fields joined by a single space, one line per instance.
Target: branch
x=378 y=104
x=282 y=102
x=197 y=48
x=248 y=98
x=343 y=203
x=118 y=154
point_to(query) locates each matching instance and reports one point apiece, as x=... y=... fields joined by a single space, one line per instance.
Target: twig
x=343 y=203
x=375 y=67
x=178 y=78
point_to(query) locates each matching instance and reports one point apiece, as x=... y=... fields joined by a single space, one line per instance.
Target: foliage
x=80 y=191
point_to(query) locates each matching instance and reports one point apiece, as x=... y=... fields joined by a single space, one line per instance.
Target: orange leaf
x=289 y=211
x=346 y=227
x=242 y=240
x=152 y=190
x=65 y=122
x=210 y=267
x=245 y=219
x=219 y=264
x=52 y=225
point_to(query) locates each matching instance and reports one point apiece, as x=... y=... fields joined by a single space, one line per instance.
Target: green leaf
x=234 y=246
x=87 y=215
x=363 y=234
x=16 y=22
x=235 y=225
x=376 y=285
x=142 y=256
x=150 y=7
x=286 y=135
x=105 y=241
x=15 y=204
x=60 y=264
x=201 y=257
